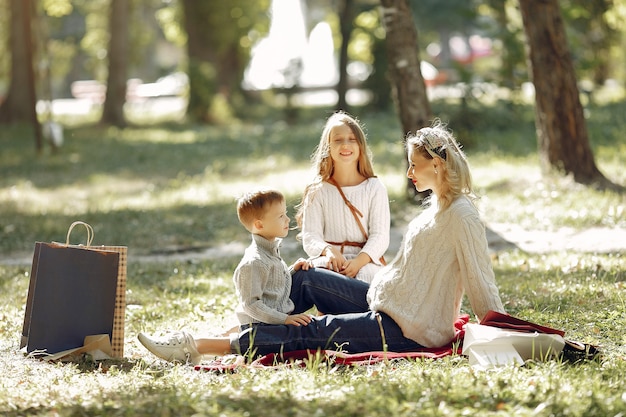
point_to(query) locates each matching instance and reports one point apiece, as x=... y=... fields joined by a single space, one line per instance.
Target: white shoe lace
x=174 y=346
x=173 y=339
x=181 y=340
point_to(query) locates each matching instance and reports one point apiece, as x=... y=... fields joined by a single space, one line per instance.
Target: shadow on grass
x=163 y=230
x=151 y=155
x=109 y=163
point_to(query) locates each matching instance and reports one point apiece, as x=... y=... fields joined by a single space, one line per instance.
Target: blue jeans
x=348 y=325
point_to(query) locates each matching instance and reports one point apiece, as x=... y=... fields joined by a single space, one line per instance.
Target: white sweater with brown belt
x=327 y=218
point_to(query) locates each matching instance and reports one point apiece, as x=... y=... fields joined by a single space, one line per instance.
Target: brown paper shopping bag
x=75 y=291
x=117 y=337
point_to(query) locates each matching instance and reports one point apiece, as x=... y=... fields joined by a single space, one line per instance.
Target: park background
x=211 y=98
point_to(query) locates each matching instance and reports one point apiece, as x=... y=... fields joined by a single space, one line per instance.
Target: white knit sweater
x=327 y=218
x=441 y=257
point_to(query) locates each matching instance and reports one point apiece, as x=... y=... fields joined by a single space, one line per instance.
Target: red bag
x=505 y=321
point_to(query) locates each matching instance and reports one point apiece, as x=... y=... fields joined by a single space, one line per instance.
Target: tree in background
x=561 y=128
x=404 y=68
x=512 y=69
x=113 y=109
x=346 y=14
x=445 y=17
x=19 y=105
x=218 y=50
x=592 y=36
x=360 y=38
x=370 y=37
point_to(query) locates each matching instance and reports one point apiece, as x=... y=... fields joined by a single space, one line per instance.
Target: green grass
x=166 y=188
x=581 y=294
x=176 y=185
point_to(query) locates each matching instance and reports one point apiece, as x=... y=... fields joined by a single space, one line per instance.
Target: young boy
x=262 y=279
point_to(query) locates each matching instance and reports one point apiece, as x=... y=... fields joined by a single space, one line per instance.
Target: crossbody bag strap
x=355 y=211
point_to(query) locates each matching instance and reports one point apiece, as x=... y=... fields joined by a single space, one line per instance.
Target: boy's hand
x=301 y=319
x=303 y=264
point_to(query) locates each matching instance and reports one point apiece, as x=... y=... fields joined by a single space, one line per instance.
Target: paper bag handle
x=89 y=232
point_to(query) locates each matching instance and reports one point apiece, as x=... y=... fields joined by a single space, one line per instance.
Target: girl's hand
x=351 y=267
x=335 y=259
x=301 y=319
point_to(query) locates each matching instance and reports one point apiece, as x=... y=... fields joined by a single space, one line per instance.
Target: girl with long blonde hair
x=344 y=213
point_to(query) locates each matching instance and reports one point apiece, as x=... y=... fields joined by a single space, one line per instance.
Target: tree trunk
x=113 y=109
x=201 y=58
x=346 y=18
x=409 y=89
x=218 y=52
x=561 y=128
x=20 y=103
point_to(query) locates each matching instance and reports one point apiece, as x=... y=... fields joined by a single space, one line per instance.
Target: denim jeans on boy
x=347 y=325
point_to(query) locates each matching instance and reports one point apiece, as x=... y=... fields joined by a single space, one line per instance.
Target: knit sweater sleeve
x=252 y=280
x=476 y=271
x=313 y=223
x=379 y=220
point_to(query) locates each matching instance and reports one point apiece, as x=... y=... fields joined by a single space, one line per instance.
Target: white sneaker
x=173 y=347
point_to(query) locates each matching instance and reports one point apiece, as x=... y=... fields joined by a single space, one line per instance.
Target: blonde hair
x=439 y=142
x=253 y=205
x=322 y=162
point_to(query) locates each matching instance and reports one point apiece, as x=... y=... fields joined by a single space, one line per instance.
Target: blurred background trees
x=213 y=62
x=118 y=56
x=20 y=100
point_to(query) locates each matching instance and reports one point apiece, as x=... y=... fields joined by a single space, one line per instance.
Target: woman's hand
x=301 y=319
